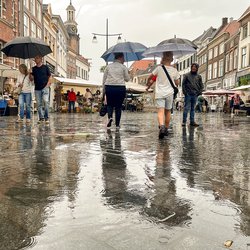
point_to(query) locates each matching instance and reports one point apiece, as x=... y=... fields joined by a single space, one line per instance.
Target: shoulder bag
x=176 y=90
x=18 y=90
x=103 y=109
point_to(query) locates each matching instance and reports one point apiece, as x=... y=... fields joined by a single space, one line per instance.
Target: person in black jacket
x=192 y=87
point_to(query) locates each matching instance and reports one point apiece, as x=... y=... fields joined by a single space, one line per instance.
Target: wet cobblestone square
x=72 y=185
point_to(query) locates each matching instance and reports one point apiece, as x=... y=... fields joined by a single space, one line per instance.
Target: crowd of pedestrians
x=165 y=77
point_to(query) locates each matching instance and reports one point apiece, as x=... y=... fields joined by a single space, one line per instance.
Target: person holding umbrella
x=164 y=92
x=114 y=78
x=42 y=80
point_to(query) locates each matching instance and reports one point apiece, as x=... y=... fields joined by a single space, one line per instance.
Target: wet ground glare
x=71 y=185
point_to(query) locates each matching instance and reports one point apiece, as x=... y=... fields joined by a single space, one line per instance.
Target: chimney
x=231 y=19
x=224 y=21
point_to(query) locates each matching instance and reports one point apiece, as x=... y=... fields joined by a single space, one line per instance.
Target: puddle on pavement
x=72 y=185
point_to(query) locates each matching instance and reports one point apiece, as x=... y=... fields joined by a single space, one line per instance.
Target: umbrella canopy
x=136 y=88
x=179 y=47
x=219 y=92
x=243 y=87
x=26 y=47
x=132 y=51
x=176 y=40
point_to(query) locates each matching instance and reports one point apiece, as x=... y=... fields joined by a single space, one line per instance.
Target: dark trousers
x=71 y=105
x=115 y=96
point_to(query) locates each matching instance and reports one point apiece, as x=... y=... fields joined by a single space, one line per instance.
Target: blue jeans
x=189 y=105
x=71 y=105
x=24 y=98
x=42 y=97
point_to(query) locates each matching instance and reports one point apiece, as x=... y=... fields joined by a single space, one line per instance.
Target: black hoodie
x=192 y=83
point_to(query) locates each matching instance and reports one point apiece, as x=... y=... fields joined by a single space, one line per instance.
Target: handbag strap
x=168 y=76
x=24 y=79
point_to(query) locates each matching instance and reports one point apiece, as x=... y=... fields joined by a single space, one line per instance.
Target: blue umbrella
x=132 y=51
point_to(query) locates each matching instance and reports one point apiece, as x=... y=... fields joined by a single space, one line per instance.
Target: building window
x=1 y=53
x=26 y=3
x=209 y=73
x=231 y=61
x=33 y=29
x=180 y=65
x=243 y=57
x=215 y=51
x=39 y=12
x=215 y=70
x=26 y=25
x=1 y=8
x=33 y=7
x=221 y=48
x=235 y=58
x=227 y=63
x=210 y=54
x=39 y=32
x=220 y=68
x=244 y=31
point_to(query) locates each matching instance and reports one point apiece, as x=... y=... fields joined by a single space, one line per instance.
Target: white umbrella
x=179 y=47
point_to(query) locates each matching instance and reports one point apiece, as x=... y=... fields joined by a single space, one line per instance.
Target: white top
x=163 y=87
x=27 y=84
x=115 y=74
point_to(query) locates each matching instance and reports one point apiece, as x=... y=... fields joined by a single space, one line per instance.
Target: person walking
x=114 y=78
x=164 y=92
x=24 y=97
x=42 y=80
x=236 y=104
x=72 y=100
x=192 y=87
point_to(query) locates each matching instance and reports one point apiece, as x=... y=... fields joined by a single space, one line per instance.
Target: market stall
x=61 y=85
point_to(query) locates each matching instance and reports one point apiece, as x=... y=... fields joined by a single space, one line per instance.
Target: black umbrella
x=26 y=47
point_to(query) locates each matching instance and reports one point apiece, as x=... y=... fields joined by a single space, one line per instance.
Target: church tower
x=71 y=26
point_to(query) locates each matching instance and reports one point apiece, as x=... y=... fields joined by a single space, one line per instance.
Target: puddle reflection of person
x=115 y=174
x=190 y=156
x=25 y=138
x=165 y=203
x=114 y=169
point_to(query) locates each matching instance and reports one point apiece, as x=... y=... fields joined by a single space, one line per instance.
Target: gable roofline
x=246 y=12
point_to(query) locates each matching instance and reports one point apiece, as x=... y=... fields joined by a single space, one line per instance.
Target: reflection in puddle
x=124 y=189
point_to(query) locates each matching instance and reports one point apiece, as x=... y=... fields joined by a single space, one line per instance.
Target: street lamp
x=107 y=35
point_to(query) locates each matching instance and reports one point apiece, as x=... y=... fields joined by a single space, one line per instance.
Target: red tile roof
x=231 y=28
x=141 y=65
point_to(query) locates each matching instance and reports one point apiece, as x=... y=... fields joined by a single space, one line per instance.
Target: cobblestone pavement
x=72 y=185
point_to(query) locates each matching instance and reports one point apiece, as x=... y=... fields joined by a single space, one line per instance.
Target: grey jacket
x=192 y=84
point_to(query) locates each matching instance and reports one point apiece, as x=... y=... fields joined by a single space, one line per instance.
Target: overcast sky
x=146 y=21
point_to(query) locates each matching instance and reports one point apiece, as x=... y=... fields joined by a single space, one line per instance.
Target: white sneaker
x=19 y=120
